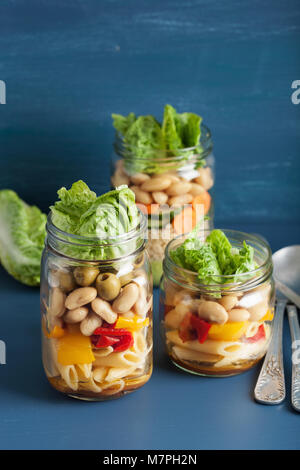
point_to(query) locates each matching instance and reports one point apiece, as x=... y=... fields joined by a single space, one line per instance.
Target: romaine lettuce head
x=73 y=203
x=214 y=258
x=147 y=140
x=22 y=235
x=80 y=212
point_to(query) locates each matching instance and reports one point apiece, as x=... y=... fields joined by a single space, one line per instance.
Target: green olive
x=108 y=286
x=85 y=275
x=66 y=281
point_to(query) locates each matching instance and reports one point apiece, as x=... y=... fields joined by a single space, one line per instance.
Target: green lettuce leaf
x=22 y=235
x=180 y=130
x=223 y=250
x=123 y=123
x=172 y=129
x=190 y=129
x=80 y=212
x=113 y=213
x=214 y=257
x=146 y=139
x=73 y=203
x=198 y=257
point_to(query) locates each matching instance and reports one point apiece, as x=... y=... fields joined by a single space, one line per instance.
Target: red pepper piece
x=260 y=334
x=201 y=326
x=103 y=341
x=119 y=338
x=193 y=327
x=186 y=331
x=125 y=342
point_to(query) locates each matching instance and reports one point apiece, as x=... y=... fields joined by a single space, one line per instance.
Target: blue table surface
x=174 y=410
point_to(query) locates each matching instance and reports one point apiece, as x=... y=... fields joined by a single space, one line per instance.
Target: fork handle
x=295 y=335
x=270 y=386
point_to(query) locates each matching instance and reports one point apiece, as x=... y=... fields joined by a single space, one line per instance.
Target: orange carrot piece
x=148 y=208
x=185 y=221
x=203 y=198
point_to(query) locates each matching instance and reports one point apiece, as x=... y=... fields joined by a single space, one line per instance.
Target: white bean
x=238 y=315
x=228 y=301
x=141 y=196
x=126 y=299
x=56 y=302
x=160 y=197
x=213 y=312
x=205 y=178
x=80 y=297
x=89 y=324
x=140 y=307
x=103 y=308
x=139 y=178
x=196 y=189
x=176 y=189
x=180 y=200
x=157 y=183
x=76 y=315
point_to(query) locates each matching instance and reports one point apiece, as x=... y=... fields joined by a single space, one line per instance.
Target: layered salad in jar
x=96 y=295
x=217 y=302
x=170 y=168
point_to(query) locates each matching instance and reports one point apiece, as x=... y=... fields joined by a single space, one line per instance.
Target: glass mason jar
x=168 y=186
x=96 y=313
x=218 y=329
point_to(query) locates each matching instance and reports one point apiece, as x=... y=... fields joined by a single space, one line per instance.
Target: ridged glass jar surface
x=96 y=312
x=232 y=320
x=168 y=185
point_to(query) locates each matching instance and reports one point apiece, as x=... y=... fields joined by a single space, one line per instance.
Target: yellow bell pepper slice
x=56 y=332
x=75 y=348
x=230 y=331
x=268 y=316
x=133 y=324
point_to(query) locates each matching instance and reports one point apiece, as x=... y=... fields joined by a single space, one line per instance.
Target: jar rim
x=167 y=155
x=251 y=278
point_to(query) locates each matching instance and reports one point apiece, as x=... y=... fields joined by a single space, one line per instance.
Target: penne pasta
x=118 y=373
x=69 y=375
x=222 y=348
x=189 y=355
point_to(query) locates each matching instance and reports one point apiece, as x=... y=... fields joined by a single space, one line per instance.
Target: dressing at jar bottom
x=113 y=392
x=207 y=370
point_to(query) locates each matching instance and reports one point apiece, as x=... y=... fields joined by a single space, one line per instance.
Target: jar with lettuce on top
x=96 y=295
x=217 y=301
x=170 y=168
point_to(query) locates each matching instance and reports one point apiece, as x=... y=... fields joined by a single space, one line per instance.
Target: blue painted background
x=69 y=64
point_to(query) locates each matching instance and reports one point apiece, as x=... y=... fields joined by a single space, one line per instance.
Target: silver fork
x=270 y=386
x=295 y=335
